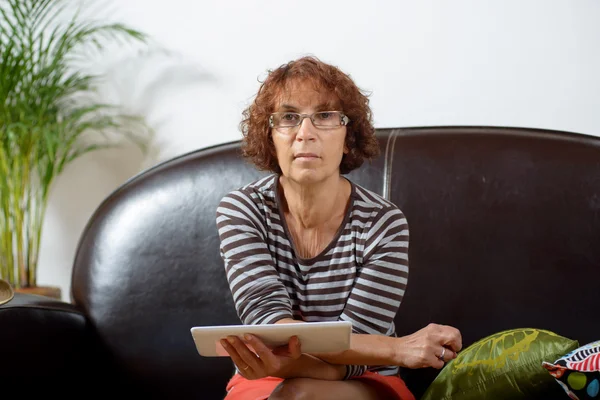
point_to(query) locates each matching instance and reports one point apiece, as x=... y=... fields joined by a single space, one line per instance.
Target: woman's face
x=308 y=154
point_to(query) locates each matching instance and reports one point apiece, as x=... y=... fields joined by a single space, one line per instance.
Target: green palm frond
x=48 y=115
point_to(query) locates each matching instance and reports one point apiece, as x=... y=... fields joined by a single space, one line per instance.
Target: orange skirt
x=240 y=388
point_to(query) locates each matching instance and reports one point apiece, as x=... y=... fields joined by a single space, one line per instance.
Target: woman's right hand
x=423 y=348
x=255 y=360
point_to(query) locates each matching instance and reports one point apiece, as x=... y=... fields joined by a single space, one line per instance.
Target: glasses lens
x=285 y=120
x=327 y=119
x=323 y=119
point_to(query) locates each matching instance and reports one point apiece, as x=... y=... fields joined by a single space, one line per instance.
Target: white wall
x=530 y=63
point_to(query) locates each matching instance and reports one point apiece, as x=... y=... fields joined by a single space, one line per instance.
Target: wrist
x=396 y=345
x=390 y=349
x=338 y=372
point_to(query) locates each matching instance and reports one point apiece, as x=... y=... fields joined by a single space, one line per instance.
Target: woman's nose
x=306 y=130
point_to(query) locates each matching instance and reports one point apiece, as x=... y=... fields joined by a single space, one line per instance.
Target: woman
x=305 y=244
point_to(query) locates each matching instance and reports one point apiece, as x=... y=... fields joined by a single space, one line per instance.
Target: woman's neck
x=315 y=205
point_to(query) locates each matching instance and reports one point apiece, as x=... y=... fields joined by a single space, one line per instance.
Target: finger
x=247 y=357
x=438 y=364
x=294 y=347
x=291 y=349
x=440 y=358
x=451 y=355
x=451 y=338
x=264 y=353
x=235 y=357
x=454 y=342
x=459 y=343
x=448 y=355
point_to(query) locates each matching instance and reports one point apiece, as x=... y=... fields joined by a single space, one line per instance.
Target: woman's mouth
x=305 y=156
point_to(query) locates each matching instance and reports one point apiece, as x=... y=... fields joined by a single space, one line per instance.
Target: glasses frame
x=344 y=120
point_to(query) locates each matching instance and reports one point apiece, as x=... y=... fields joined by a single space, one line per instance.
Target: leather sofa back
x=505 y=227
x=505 y=231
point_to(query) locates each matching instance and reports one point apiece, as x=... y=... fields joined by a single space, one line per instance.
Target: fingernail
x=230 y=340
x=224 y=343
x=247 y=336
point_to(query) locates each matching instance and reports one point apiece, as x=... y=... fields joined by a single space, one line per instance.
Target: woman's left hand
x=263 y=361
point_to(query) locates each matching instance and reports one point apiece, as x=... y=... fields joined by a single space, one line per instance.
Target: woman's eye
x=289 y=117
x=324 y=115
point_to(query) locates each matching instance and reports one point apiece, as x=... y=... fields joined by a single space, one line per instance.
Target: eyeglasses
x=285 y=121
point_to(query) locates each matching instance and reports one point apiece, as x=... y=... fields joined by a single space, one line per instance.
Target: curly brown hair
x=257 y=144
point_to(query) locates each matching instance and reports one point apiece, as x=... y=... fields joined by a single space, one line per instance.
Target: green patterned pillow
x=504 y=365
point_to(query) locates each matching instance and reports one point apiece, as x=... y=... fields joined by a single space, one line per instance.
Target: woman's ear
x=347 y=140
x=346 y=150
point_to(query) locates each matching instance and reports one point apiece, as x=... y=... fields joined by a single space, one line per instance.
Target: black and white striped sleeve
x=258 y=293
x=379 y=288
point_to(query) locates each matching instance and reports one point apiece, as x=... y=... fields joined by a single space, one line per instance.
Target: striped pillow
x=578 y=372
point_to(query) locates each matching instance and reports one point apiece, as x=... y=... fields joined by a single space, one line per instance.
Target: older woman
x=306 y=244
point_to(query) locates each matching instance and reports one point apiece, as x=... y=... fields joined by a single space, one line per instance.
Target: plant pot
x=48 y=291
x=6 y=292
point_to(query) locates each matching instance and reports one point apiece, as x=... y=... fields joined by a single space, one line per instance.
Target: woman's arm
x=418 y=350
x=309 y=366
x=365 y=349
x=374 y=301
x=258 y=293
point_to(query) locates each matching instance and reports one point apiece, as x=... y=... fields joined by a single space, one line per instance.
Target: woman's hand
x=431 y=346
x=263 y=361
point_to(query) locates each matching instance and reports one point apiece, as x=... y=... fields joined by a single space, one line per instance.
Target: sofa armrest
x=47 y=342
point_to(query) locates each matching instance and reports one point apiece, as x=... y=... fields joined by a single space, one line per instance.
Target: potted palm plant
x=49 y=117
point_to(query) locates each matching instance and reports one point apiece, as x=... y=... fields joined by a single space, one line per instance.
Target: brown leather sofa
x=505 y=233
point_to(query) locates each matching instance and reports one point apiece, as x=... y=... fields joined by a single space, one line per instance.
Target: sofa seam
x=387 y=165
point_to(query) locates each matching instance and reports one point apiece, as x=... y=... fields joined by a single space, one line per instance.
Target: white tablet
x=315 y=337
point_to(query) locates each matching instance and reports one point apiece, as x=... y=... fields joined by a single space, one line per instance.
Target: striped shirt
x=359 y=277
